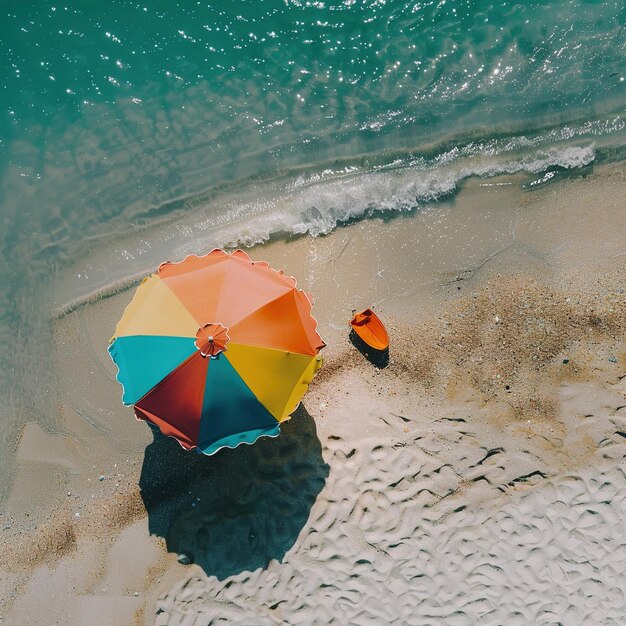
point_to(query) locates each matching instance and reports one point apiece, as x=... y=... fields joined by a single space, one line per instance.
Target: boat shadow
x=239 y=509
x=378 y=358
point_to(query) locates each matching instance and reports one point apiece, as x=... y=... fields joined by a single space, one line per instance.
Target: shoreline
x=314 y=204
x=528 y=195
x=435 y=436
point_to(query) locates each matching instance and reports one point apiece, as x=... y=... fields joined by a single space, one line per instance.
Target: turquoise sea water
x=178 y=126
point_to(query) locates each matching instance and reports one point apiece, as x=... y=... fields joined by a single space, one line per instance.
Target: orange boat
x=370 y=329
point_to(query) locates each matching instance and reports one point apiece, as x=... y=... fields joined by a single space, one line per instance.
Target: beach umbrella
x=216 y=350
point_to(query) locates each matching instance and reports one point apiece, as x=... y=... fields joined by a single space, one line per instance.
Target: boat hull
x=370 y=329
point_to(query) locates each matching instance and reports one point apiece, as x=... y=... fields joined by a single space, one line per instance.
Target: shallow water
x=138 y=132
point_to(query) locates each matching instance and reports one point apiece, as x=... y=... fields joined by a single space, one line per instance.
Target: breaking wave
x=318 y=204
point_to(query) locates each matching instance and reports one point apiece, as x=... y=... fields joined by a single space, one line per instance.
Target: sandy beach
x=478 y=477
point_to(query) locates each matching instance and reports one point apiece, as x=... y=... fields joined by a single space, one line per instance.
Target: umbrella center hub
x=211 y=339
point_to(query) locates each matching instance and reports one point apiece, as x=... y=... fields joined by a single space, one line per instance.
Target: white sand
x=479 y=478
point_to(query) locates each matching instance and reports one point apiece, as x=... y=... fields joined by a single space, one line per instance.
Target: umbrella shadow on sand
x=239 y=509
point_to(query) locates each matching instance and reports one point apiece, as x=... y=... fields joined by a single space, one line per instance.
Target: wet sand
x=477 y=475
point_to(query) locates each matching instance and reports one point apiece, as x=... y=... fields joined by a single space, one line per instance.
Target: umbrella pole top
x=211 y=339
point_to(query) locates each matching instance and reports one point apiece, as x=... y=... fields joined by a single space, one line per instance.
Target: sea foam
x=317 y=206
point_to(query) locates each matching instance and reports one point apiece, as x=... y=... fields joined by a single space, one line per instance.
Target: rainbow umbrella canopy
x=216 y=350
